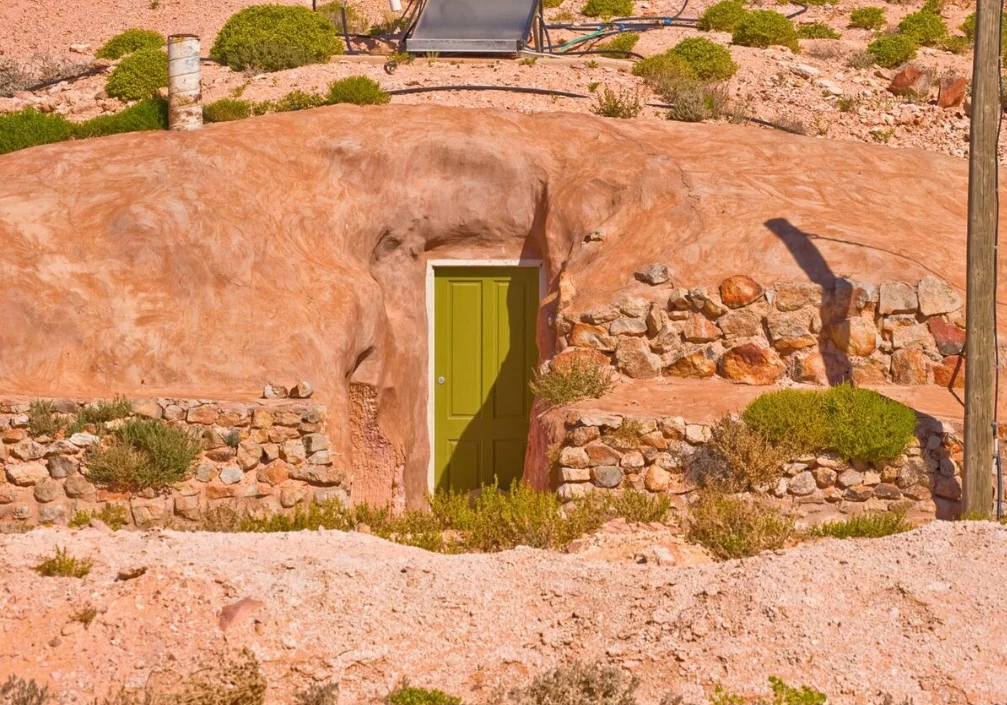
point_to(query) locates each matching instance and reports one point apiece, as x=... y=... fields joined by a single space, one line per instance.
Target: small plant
x=237 y=681
x=18 y=691
x=144 y=454
x=358 y=90
x=955 y=45
x=140 y=75
x=624 y=105
x=148 y=114
x=816 y=30
x=847 y=104
x=356 y=22
x=639 y=507
x=792 y=417
x=62 y=565
x=85 y=615
x=578 y=683
x=663 y=69
x=608 y=8
x=867 y=426
x=784 y=694
x=101 y=412
x=129 y=41
x=528 y=61
x=626 y=437
x=924 y=28
x=739 y=458
x=552 y=4
x=868 y=18
x=868 y=525
x=226 y=110
x=405 y=694
x=860 y=60
x=764 y=28
x=592 y=86
x=881 y=135
x=275 y=37
x=708 y=61
x=723 y=16
x=730 y=527
x=323 y=694
x=43 y=419
x=297 y=100
x=620 y=45
x=892 y=50
x=113 y=515
x=592 y=64
x=572 y=378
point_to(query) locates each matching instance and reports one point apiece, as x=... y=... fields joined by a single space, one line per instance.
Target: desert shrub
x=275 y=37
x=318 y=694
x=892 y=50
x=816 y=30
x=956 y=45
x=861 y=60
x=708 y=60
x=356 y=22
x=924 y=28
x=140 y=75
x=723 y=16
x=792 y=417
x=763 y=28
x=405 y=694
x=694 y=101
x=868 y=426
x=101 y=412
x=18 y=691
x=43 y=419
x=238 y=680
x=783 y=694
x=113 y=515
x=868 y=525
x=149 y=114
x=226 y=110
x=620 y=44
x=62 y=565
x=85 y=615
x=731 y=527
x=29 y=128
x=626 y=437
x=968 y=26
x=572 y=378
x=608 y=8
x=358 y=90
x=145 y=454
x=298 y=100
x=739 y=458
x=639 y=507
x=663 y=70
x=129 y=41
x=624 y=104
x=868 y=18
x=578 y=683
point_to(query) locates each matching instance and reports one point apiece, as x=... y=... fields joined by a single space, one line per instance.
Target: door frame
x=432 y=265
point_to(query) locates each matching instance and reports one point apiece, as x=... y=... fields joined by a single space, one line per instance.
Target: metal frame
x=470 y=46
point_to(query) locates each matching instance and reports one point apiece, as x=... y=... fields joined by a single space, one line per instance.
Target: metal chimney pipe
x=185 y=97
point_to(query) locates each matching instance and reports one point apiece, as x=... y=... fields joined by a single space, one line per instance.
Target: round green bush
x=924 y=28
x=707 y=60
x=867 y=18
x=763 y=28
x=816 y=30
x=608 y=8
x=129 y=41
x=139 y=75
x=358 y=90
x=892 y=50
x=867 y=426
x=275 y=37
x=667 y=66
x=29 y=127
x=724 y=16
x=227 y=109
x=791 y=417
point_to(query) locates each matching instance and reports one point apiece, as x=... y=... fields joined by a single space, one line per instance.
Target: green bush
x=148 y=114
x=763 y=28
x=140 y=75
x=620 y=44
x=925 y=28
x=298 y=100
x=101 y=412
x=43 y=419
x=968 y=26
x=790 y=417
x=145 y=454
x=608 y=8
x=956 y=45
x=114 y=516
x=662 y=69
x=707 y=60
x=226 y=110
x=358 y=90
x=867 y=18
x=694 y=101
x=731 y=527
x=577 y=683
x=356 y=22
x=62 y=565
x=129 y=41
x=892 y=50
x=572 y=378
x=29 y=128
x=868 y=525
x=723 y=16
x=275 y=37
x=405 y=694
x=816 y=30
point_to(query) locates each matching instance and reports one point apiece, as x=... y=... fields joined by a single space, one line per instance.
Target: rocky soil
x=912 y=615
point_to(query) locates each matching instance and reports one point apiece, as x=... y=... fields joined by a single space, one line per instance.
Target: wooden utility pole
x=980 y=350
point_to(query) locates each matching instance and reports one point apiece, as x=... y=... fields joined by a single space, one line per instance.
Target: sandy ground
x=913 y=615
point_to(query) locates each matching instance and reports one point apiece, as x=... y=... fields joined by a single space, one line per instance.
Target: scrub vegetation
x=275 y=37
x=572 y=378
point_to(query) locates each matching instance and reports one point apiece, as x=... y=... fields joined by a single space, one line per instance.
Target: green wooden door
x=484 y=354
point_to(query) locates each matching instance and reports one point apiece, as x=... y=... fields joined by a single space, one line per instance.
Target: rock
x=914 y=336
x=802 y=484
x=740 y=290
x=886 y=491
x=249 y=454
x=804 y=71
x=600 y=315
x=696 y=362
x=600 y=454
x=574 y=457
x=292 y=495
x=62 y=466
x=274 y=391
x=632 y=460
x=51 y=513
x=293 y=452
x=188 y=507
x=849 y=478
x=314 y=442
x=627 y=326
x=147 y=408
x=790 y=331
x=634 y=359
x=948 y=487
x=743 y=323
x=700 y=329
x=751 y=364
x=582 y=435
x=854 y=336
x=607 y=476
x=205 y=414
x=634 y=306
x=261 y=418
x=871 y=478
x=318 y=474
x=231 y=475
x=950 y=339
x=824 y=477
x=936 y=296
x=811 y=369
x=656 y=479
x=706 y=302
x=653 y=274
x=46 y=491
x=910 y=366
x=78 y=487
x=696 y=434
x=27 y=474
x=569 y=492
x=910 y=82
x=588 y=336
x=858 y=493
x=790 y=296
x=952 y=92
x=588 y=418
x=238 y=611
x=80 y=48
x=673 y=427
x=897 y=297
x=849 y=298
x=148 y=512
x=870 y=370
x=950 y=372
x=574 y=474
x=656 y=320
x=302 y=390
x=27 y=450
x=83 y=440
x=678 y=300
x=61 y=447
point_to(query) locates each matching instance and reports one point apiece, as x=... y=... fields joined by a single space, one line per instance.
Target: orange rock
x=751 y=364
x=854 y=336
x=950 y=372
x=739 y=290
x=700 y=329
x=700 y=362
x=910 y=366
x=910 y=81
x=952 y=92
x=811 y=369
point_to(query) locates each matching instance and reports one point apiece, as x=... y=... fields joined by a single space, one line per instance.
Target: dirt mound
x=911 y=615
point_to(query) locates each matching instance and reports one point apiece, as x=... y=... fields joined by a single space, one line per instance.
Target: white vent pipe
x=185 y=98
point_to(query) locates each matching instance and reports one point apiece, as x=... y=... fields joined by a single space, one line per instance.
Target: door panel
x=484 y=349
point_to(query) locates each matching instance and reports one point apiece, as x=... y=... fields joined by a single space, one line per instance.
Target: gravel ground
x=914 y=615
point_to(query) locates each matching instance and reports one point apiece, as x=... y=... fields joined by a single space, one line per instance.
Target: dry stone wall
x=598 y=450
x=893 y=333
x=259 y=457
